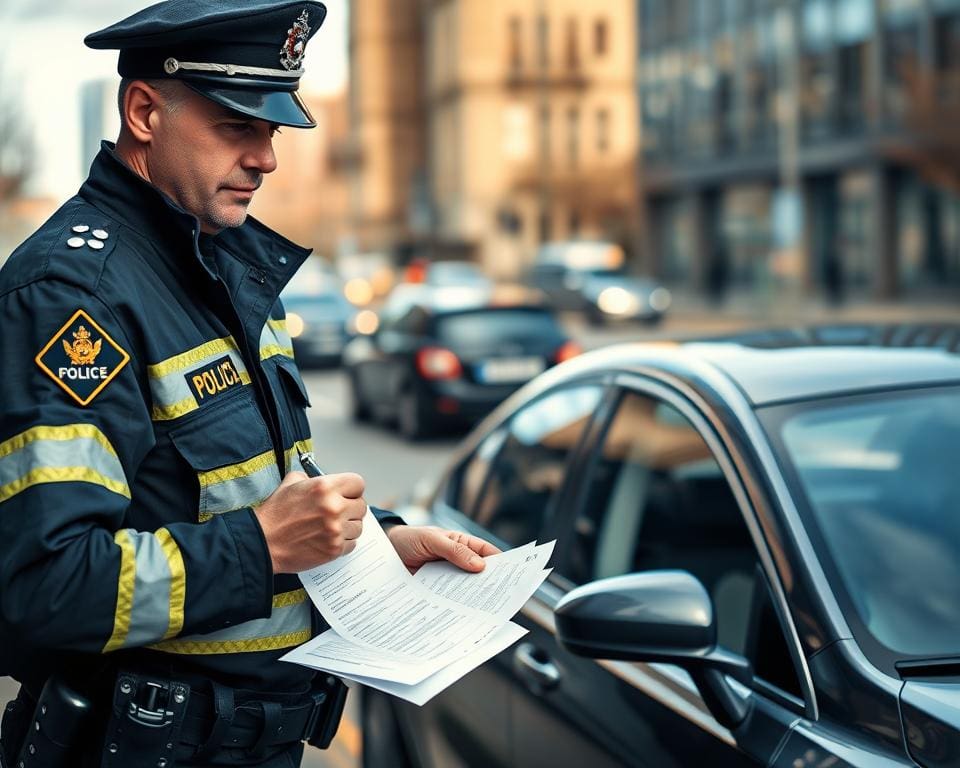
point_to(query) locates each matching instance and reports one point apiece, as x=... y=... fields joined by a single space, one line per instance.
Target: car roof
x=802 y=363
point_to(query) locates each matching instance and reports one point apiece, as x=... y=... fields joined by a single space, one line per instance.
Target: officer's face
x=211 y=160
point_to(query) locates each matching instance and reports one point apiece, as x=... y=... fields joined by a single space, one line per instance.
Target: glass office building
x=795 y=143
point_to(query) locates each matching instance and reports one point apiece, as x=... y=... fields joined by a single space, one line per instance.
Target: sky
x=44 y=63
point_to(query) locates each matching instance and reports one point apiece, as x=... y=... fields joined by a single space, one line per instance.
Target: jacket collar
x=123 y=194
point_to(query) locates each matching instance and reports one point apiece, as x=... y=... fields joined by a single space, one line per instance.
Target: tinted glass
x=879 y=477
x=495 y=325
x=657 y=500
x=529 y=470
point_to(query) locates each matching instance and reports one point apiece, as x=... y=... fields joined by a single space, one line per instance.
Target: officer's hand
x=417 y=544
x=311 y=521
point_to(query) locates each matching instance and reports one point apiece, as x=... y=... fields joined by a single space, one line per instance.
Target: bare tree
x=16 y=148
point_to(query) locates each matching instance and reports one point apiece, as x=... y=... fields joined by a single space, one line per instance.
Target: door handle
x=535 y=667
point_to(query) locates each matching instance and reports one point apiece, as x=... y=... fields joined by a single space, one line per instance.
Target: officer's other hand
x=311 y=521
x=417 y=544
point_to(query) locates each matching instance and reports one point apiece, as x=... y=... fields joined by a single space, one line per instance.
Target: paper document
x=405 y=630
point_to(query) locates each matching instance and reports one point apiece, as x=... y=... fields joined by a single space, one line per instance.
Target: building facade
x=531 y=125
x=480 y=128
x=384 y=155
x=782 y=145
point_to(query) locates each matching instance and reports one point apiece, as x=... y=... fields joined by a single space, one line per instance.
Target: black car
x=437 y=360
x=758 y=560
x=320 y=321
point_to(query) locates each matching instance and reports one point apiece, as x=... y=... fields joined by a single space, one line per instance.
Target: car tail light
x=438 y=363
x=569 y=350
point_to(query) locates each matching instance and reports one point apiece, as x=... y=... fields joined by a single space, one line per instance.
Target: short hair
x=169 y=89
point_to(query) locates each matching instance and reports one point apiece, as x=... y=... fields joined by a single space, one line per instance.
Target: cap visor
x=280 y=107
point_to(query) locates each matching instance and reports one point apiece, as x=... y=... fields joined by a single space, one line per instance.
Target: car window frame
x=685 y=401
x=548 y=531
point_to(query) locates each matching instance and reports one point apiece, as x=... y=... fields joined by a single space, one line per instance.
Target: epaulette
x=72 y=245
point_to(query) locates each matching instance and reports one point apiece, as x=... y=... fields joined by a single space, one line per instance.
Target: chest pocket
x=292 y=400
x=228 y=446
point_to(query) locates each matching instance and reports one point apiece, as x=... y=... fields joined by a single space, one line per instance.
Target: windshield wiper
x=943 y=666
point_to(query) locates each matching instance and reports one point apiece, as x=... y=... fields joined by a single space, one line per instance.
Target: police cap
x=244 y=54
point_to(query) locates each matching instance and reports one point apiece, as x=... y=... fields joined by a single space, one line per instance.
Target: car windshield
x=491 y=326
x=878 y=476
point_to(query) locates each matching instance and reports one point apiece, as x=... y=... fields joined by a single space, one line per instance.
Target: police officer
x=152 y=513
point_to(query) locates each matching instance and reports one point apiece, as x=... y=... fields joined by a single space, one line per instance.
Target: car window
x=493 y=325
x=657 y=499
x=520 y=489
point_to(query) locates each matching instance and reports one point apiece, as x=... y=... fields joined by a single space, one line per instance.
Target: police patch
x=82 y=358
x=213 y=379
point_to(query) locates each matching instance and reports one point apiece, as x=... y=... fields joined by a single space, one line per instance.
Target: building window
x=543 y=41
x=572 y=46
x=573 y=136
x=545 y=225
x=600 y=41
x=516 y=46
x=603 y=130
x=545 y=132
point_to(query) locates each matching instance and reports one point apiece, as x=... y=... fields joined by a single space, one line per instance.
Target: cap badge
x=291 y=54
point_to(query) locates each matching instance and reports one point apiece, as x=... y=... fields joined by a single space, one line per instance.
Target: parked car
x=758 y=560
x=320 y=320
x=465 y=274
x=446 y=357
x=589 y=277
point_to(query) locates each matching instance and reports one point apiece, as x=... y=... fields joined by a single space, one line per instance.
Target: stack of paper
x=414 y=635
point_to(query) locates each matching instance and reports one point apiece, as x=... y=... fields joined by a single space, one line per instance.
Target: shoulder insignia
x=82 y=358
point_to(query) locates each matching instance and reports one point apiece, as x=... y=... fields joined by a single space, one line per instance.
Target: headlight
x=365 y=322
x=358 y=291
x=660 y=299
x=617 y=301
x=295 y=324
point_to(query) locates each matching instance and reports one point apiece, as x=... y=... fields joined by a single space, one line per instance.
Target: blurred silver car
x=589 y=277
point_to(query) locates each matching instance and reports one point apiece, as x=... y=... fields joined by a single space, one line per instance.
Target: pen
x=309 y=464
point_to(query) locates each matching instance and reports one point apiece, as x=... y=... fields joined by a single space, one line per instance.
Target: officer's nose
x=261 y=157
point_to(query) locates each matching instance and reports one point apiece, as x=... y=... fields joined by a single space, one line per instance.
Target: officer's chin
x=227 y=217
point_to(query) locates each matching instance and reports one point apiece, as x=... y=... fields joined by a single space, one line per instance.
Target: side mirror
x=656 y=616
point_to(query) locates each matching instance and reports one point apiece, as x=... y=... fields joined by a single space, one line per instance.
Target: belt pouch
x=329 y=698
x=57 y=730
x=145 y=720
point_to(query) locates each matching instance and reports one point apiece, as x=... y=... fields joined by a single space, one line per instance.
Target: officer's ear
x=142 y=108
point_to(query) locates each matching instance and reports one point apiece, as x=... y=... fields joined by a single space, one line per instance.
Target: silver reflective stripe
x=172 y=395
x=51 y=454
x=289 y=624
x=150 y=615
x=238 y=485
x=275 y=340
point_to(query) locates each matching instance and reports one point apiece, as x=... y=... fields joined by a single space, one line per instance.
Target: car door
x=508 y=489
x=655 y=494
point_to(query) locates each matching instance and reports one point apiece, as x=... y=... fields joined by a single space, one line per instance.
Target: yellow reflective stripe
x=278 y=325
x=235 y=471
x=190 y=357
x=128 y=570
x=178 y=581
x=167 y=412
x=270 y=350
x=291 y=458
x=66 y=432
x=209 y=647
x=62 y=475
x=289 y=598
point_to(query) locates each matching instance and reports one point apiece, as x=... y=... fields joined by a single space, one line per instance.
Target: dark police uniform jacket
x=150 y=399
